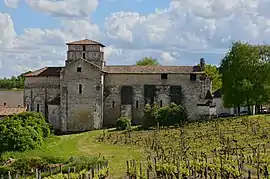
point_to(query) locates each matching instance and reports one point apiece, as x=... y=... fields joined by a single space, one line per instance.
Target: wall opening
x=83 y=55
x=84 y=48
x=149 y=94
x=113 y=104
x=79 y=69
x=80 y=88
x=193 y=77
x=126 y=95
x=160 y=103
x=164 y=76
x=37 y=107
x=176 y=94
x=137 y=104
x=27 y=107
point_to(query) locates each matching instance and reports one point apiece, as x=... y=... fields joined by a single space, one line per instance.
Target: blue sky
x=33 y=33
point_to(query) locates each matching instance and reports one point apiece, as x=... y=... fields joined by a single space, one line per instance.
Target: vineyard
x=224 y=148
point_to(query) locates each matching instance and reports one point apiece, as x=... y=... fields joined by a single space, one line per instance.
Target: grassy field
x=119 y=146
x=83 y=145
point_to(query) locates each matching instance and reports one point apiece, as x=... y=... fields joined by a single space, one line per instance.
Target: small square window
x=164 y=76
x=79 y=69
x=192 y=77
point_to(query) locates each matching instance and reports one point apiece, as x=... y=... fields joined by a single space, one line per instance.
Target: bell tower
x=89 y=50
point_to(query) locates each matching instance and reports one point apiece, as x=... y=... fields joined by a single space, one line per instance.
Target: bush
x=149 y=116
x=23 y=131
x=171 y=115
x=123 y=123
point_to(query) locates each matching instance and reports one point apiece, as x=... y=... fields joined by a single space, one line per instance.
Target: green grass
x=201 y=137
x=84 y=145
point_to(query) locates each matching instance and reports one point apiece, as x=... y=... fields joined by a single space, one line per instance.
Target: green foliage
x=13 y=82
x=165 y=116
x=23 y=131
x=213 y=72
x=171 y=115
x=27 y=165
x=147 y=61
x=245 y=75
x=148 y=119
x=123 y=123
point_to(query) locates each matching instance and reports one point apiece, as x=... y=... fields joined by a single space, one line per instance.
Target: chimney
x=202 y=63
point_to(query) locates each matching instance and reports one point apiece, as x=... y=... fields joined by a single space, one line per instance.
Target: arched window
x=80 y=88
x=37 y=107
x=137 y=104
x=113 y=104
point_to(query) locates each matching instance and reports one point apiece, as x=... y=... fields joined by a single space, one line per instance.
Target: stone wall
x=54 y=116
x=38 y=91
x=192 y=93
x=81 y=112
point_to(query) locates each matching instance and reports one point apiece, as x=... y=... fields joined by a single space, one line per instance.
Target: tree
x=147 y=61
x=245 y=75
x=213 y=72
x=13 y=82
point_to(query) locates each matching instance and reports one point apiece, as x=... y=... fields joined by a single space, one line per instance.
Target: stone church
x=87 y=94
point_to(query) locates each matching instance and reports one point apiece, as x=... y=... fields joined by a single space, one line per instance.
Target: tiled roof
x=85 y=42
x=151 y=69
x=46 y=71
x=6 y=111
x=55 y=71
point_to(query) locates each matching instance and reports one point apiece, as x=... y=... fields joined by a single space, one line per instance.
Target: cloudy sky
x=33 y=33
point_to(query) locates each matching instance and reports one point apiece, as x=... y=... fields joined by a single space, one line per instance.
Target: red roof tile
x=46 y=71
x=6 y=111
x=85 y=42
x=152 y=69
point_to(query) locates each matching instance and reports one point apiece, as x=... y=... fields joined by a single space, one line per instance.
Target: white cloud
x=65 y=8
x=12 y=3
x=180 y=34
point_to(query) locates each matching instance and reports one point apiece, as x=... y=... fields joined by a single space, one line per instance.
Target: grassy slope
x=84 y=144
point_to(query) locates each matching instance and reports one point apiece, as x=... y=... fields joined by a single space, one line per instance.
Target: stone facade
x=86 y=94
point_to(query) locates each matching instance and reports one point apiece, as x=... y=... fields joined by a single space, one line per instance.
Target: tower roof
x=85 y=42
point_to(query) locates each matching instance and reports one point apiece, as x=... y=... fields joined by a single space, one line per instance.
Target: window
x=37 y=107
x=160 y=103
x=83 y=47
x=79 y=69
x=113 y=105
x=164 y=76
x=27 y=107
x=137 y=104
x=192 y=77
x=80 y=88
x=83 y=55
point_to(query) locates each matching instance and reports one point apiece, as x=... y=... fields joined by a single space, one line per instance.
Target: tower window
x=113 y=105
x=160 y=103
x=37 y=107
x=192 y=77
x=164 y=76
x=83 y=55
x=137 y=104
x=83 y=47
x=80 y=88
x=79 y=69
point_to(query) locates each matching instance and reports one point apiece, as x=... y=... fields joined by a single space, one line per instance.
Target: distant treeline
x=13 y=82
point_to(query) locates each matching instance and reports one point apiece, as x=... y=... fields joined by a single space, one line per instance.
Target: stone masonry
x=86 y=94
